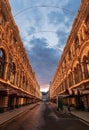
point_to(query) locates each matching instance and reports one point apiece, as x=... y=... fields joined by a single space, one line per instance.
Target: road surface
x=45 y=117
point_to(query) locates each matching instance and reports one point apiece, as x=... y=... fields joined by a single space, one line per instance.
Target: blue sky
x=44 y=27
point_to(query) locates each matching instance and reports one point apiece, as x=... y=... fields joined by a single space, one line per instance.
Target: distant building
x=45 y=96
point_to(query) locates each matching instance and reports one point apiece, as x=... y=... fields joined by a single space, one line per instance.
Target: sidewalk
x=83 y=115
x=9 y=115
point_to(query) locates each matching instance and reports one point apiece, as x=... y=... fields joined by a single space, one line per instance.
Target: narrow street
x=45 y=117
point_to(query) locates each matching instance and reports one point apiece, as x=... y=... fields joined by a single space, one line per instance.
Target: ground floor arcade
x=11 y=98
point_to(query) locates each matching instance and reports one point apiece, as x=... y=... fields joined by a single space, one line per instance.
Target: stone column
x=83 y=31
x=73 y=77
x=14 y=102
x=6 y=71
x=15 y=78
x=83 y=71
x=79 y=37
x=18 y=76
x=4 y=103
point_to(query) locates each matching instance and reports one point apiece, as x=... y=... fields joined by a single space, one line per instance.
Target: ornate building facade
x=18 y=84
x=71 y=79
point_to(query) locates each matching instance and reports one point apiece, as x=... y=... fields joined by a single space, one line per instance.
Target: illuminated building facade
x=18 y=84
x=71 y=79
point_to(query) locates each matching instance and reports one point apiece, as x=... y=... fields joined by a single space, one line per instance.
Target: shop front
x=3 y=100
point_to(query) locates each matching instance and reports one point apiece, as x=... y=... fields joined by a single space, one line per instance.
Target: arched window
x=12 y=72
x=63 y=85
x=80 y=72
x=2 y=63
x=87 y=22
x=76 y=75
x=76 y=42
x=70 y=78
x=66 y=84
x=69 y=55
x=86 y=66
x=17 y=78
x=24 y=83
x=21 y=79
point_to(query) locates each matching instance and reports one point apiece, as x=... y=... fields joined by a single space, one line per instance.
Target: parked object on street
x=60 y=103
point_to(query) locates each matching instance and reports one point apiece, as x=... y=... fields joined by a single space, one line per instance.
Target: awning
x=63 y=95
x=12 y=93
x=85 y=92
x=4 y=92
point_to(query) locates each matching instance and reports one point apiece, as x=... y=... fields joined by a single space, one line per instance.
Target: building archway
x=2 y=63
x=86 y=66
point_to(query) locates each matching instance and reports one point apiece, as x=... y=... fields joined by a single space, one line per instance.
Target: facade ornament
x=7 y=30
x=84 y=31
x=1 y=33
x=80 y=36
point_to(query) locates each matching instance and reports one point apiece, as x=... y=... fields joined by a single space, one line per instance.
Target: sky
x=44 y=27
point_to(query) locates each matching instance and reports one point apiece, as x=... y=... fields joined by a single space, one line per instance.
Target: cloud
x=44 y=48
x=44 y=88
x=55 y=17
x=62 y=36
x=31 y=30
x=43 y=59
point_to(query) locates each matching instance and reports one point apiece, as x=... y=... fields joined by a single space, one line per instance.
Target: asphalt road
x=45 y=117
